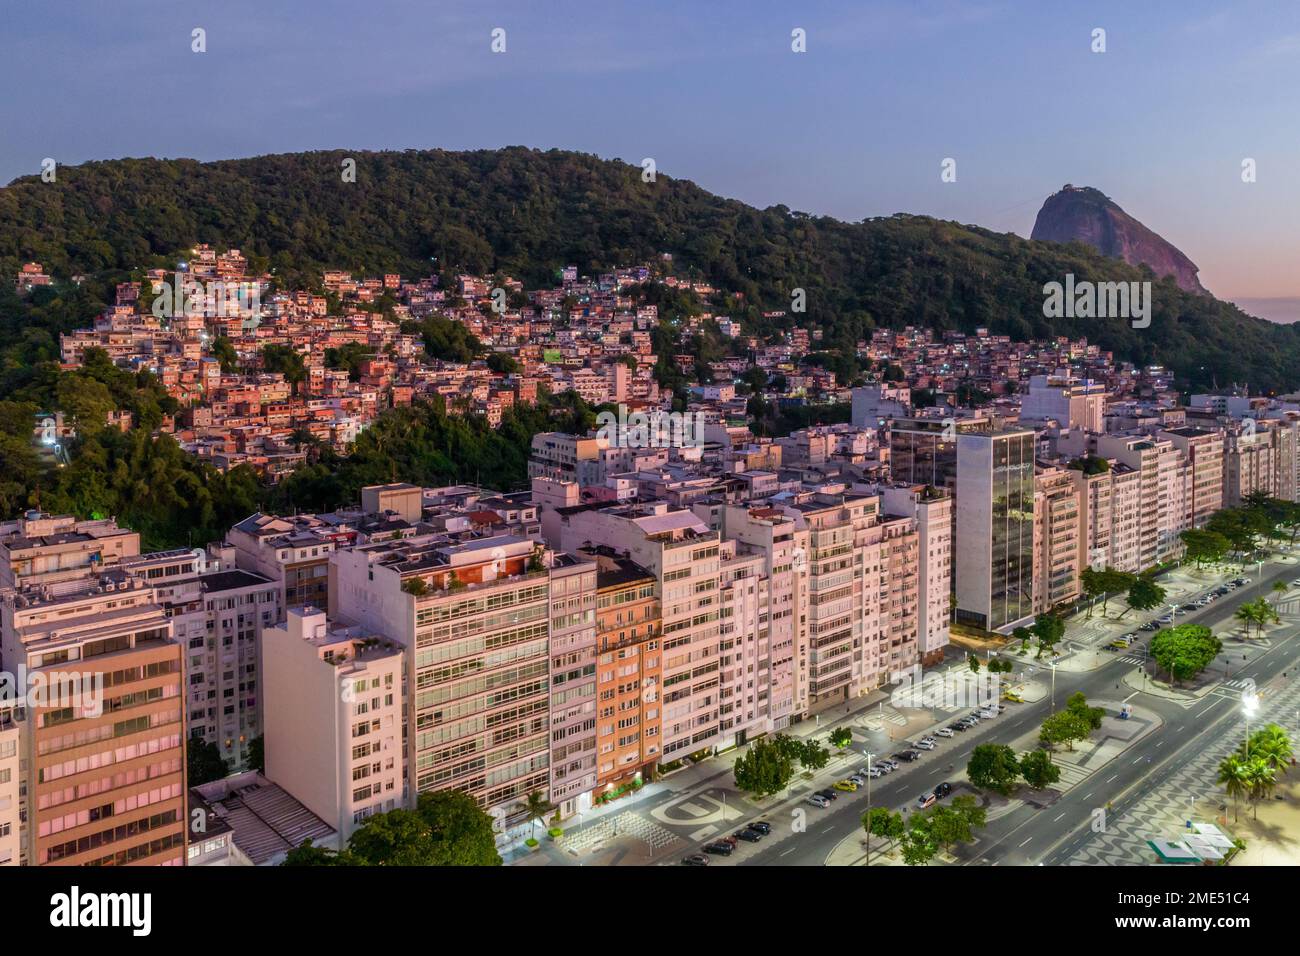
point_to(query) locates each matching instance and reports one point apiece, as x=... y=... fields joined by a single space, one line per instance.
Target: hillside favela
x=456 y=503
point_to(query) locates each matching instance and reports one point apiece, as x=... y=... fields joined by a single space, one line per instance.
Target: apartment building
x=1058 y=536
x=1203 y=451
x=103 y=745
x=12 y=716
x=40 y=548
x=682 y=552
x=1165 y=489
x=1250 y=462
x=217 y=618
x=335 y=734
x=1069 y=401
x=995 y=528
x=932 y=509
x=1110 y=517
x=744 y=648
x=863 y=593
x=293 y=551
x=629 y=672
x=563 y=457
x=784 y=547
x=572 y=649
x=473 y=615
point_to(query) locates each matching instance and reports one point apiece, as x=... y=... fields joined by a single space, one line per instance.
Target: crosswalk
x=1131 y=659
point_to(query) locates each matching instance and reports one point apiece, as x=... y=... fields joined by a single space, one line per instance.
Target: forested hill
x=527 y=213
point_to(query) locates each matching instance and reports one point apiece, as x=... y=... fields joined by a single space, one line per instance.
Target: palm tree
x=1279 y=589
x=1261 y=779
x=1246 y=615
x=1272 y=745
x=537 y=807
x=1233 y=776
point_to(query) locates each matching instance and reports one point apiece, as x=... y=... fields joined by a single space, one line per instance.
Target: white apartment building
x=334 y=724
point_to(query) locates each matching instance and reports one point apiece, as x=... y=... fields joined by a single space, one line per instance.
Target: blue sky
x=855 y=127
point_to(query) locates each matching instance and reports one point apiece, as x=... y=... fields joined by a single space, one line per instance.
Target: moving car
x=943 y=790
x=1012 y=696
x=695 y=859
x=926 y=800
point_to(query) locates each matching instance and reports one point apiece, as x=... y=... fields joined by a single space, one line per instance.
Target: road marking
x=789 y=851
x=1159 y=744
x=1087 y=795
x=1026 y=841
x=1112 y=777
x=1058 y=816
x=1207 y=710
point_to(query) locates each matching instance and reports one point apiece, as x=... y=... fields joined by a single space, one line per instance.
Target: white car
x=817 y=800
x=875 y=771
x=924 y=745
x=988 y=713
x=943 y=732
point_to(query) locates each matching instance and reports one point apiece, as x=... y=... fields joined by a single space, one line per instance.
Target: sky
x=857 y=126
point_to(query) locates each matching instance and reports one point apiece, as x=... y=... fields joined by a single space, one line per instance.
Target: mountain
x=528 y=213
x=1087 y=215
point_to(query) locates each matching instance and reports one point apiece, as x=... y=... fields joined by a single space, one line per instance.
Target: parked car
x=858 y=778
x=924 y=745
x=817 y=800
x=848 y=786
x=695 y=859
x=889 y=763
x=1166 y=619
x=959 y=727
x=943 y=732
x=1149 y=626
x=1012 y=696
x=943 y=790
x=907 y=756
x=829 y=794
x=926 y=800
x=748 y=835
x=720 y=848
x=762 y=826
x=875 y=771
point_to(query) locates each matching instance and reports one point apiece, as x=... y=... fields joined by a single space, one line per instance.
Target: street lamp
x=1249 y=706
x=1053 y=704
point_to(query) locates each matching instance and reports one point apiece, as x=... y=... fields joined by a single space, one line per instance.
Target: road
x=1029 y=835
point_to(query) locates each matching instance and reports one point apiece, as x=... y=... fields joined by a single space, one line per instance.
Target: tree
x=882 y=823
x=1261 y=778
x=203 y=762
x=956 y=823
x=287 y=362
x=257 y=753
x=1205 y=546
x=397 y=838
x=1064 y=727
x=765 y=769
x=307 y=854
x=1143 y=595
x=1049 y=629
x=812 y=755
x=1078 y=704
x=1023 y=635
x=1038 y=770
x=1270 y=744
x=224 y=352
x=974 y=663
x=460 y=831
x=841 y=737
x=503 y=364
x=918 y=843
x=536 y=806
x=1234 y=776
x=1185 y=651
x=993 y=767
